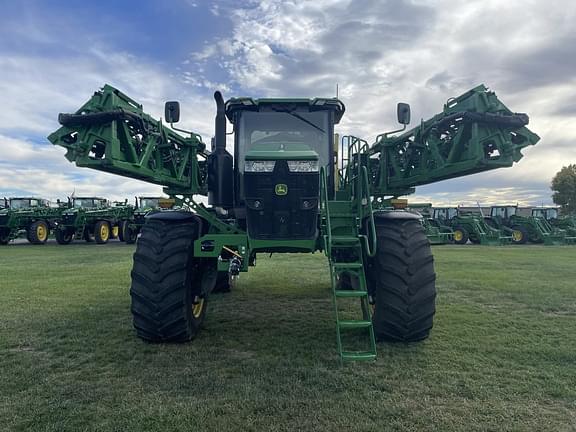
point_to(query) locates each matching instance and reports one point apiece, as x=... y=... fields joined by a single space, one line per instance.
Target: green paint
x=475 y=132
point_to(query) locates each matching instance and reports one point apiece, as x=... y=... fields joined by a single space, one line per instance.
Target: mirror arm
x=395 y=131
x=181 y=130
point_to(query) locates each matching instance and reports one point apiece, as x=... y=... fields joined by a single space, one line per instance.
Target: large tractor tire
x=121 y=229
x=102 y=232
x=402 y=279
x=37 y=232
x=167 y=301
x=520 y=235
x=64 y=237
x=87 y=235
x=115 y=233
x=461 y=235
x=130 y=235
x=4 y=236
x=475 y=239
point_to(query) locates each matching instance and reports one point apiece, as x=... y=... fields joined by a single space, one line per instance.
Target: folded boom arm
x=474 y=133
x=111 y=133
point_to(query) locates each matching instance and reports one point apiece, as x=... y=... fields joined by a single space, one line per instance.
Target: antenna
x=336 y=90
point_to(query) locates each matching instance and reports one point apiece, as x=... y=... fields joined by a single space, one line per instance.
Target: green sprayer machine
x=34 y=216
x=289 y=186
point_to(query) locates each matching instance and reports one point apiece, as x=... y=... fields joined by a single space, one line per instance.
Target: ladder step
x=355 y=356
x=342 y=215
x=354 y=324
x=344 y=266
x=345 y=240
x=350 y=293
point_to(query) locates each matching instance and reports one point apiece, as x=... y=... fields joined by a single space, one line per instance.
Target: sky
x=55 y=54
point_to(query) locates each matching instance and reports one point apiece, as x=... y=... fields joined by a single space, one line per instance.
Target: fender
x=396 y=214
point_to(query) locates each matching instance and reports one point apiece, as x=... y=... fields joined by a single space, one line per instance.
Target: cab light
x=259 y=166
x=303 y=166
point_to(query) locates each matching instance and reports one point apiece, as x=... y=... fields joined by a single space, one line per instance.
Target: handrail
x=370 y=250
x=324 y=205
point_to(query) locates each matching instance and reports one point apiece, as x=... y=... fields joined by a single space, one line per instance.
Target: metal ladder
x=344 y=249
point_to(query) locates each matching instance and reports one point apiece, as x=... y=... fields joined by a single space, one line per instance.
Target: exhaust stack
x=220 y=162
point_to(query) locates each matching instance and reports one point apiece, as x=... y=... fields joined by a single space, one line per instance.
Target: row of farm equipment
x=99 y=220
x=502 y=225
x=78 y=218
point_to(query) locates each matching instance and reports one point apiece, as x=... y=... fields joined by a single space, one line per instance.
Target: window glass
x=280 y=130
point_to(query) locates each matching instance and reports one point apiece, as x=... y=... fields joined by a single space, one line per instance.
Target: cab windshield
x=23 y=203
x=545 y=213
x=86 y=203
x=503 y=211
x=149 y=202
x=279 y=130
x=445 y=213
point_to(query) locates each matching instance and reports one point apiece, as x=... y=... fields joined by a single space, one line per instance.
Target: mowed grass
x=502 y=355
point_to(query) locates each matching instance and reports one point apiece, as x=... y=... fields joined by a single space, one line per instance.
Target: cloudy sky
x=54 y=54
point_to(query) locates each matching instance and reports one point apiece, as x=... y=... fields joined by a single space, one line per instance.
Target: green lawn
x=502 y=355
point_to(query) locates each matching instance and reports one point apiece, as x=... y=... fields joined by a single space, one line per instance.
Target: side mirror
x=403 y=112
x=172 y=112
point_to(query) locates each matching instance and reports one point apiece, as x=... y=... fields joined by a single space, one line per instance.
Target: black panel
x=291 y=216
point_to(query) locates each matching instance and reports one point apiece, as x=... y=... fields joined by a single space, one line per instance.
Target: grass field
x=502 y=355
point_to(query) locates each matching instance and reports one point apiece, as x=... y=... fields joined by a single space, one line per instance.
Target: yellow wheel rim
x=41 y=232
x=197 y=309
x=517 y=235
x=115 y=231
x=458 y=235
x=104 y=232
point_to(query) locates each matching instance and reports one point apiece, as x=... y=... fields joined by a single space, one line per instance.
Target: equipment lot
x=501 y=355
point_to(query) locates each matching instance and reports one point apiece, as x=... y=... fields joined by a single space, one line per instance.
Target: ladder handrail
x=324 y=206
x=371 y=246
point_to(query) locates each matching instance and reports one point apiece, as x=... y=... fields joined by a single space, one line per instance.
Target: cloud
x=382 y=52
x=379 y=52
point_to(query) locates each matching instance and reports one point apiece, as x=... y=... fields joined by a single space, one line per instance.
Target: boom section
x=112 y=133
x=475 y=132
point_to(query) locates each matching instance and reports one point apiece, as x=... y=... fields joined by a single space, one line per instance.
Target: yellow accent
x=104 y=231
x=166 y=203
x=517 y=235
x=281 y=189
x=197 y=309
x=399 y=203
x=458 y=235
x=115 y=231
x=41 y=232
x=232 y=252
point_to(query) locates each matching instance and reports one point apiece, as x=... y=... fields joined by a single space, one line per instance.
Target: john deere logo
x=281 y=189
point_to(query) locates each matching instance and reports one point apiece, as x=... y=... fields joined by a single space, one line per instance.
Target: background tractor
x=91 y=218
x=437 y=234
x=289 y=185
x=144 y=206
x=524 y=229
x=35 y=216
x=566 y=222
x=467 y=226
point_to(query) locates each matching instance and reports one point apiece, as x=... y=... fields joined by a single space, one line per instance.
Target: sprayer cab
x=279 y=147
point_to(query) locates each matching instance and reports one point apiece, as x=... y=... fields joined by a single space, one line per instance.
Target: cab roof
x=88 y=197
x=26 y=198
x=265 y=104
